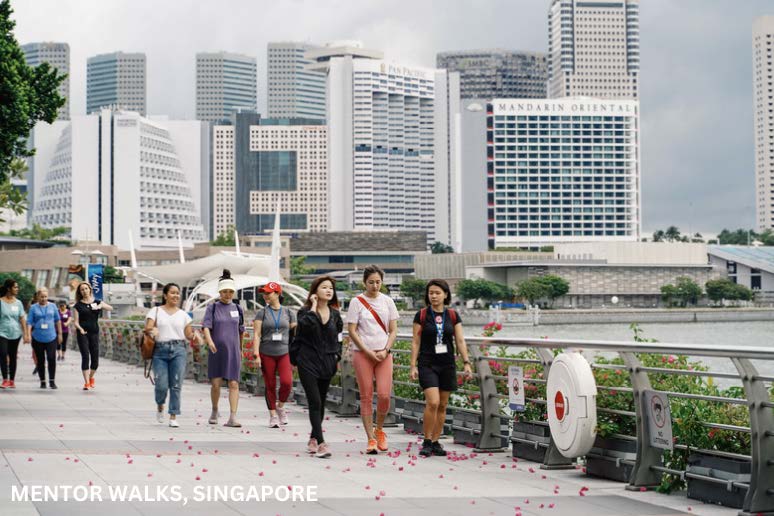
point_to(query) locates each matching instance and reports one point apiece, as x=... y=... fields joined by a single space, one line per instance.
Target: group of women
x=46 y=327
x=312 y=340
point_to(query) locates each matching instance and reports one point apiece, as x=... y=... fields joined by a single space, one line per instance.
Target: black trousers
x=88 y=345
x=316 y=390
x=45 y=351
x=9 y=349
x=63 y=346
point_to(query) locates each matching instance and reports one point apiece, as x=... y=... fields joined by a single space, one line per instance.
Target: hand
x=154 y=332
x=27 y=339
x=257 y=361
x=414 y=374
x=59 y=339
x=198 y=338
x=83 y=332
x=468 y=372
x=373 y=356
x=212 y=347
x=381 y=354
x=313 y=299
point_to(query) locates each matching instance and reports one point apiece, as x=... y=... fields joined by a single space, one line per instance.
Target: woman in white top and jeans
x=171 y=327
x=372 y=322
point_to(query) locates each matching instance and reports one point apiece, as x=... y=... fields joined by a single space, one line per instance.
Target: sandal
x=232 y=424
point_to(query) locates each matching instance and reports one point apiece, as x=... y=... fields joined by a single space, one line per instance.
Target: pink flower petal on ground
x=531 y=470
x=29 y=459
x=274 y=462
x=472 y=502
x=130 y=461
x=61 y=426
x=178 y=461
x=216 y=451
x=204 y=470
x=643 y=489
x=377 y=498
x=367 y=487
x=186 y=441
x=198 y=477
x=158 y=455
x=543 y=477
x=76 y=460
x=260 y=474
x=150 y=475
x=542 y=505
x=256 y=455
x=550 y=506
x=456 y=488
x=91 y=483
x=400 y=468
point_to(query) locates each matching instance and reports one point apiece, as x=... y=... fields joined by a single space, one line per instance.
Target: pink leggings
x=366 y=370
x=269 y=367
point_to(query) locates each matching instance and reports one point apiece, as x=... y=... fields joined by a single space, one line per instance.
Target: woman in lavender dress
x=224 y=327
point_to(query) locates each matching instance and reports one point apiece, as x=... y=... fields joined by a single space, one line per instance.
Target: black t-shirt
x=429 y=336
x=88 y=316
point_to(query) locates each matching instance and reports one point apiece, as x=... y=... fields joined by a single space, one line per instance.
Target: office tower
x=594 y=49
x=260 y=162
x=58 y=56
x=294 y=91
x=116 y=80
x=112 y=172
x=763 y=91
x=503 y=74
x=390 y=137
x=562 y=170
x=225 y=83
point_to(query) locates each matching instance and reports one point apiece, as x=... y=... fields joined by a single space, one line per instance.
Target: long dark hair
x=165 y=291
x=333 y=303
x=8 y=285
x=440 y=284
x=78 y=295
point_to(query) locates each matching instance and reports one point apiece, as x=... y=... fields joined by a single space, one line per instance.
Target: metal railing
x=119 y=342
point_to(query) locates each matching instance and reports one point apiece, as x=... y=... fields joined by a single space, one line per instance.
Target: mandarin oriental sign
x=564 y=107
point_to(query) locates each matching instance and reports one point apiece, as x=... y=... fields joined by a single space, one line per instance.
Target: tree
x=672 y=234
x=658 y=236
x=26 y=288
x=688 y=291
x=720 y=289
x=28 y=95
x=413 y=289
x=36 y=232
x=11 y=196
x=738 y=237
x=475 y=289
x=697 y=238
x=441 y=248
x=556 y=286
x=112 y=275
x=669 y=294
x=225 y=239
x=533 y=289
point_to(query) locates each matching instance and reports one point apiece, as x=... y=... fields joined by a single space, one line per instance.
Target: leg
x=39 y=348
x=63 y=347
x=215 y=393
x=13 y=355
x=4 y=357
x=432 y=401
x=93 y=353
x=160 y=365
x=176 y=376
x=233 y=401
x=83 y=347
x=383 y=389
x=286 y=379
x=51 y=355
x=312 y=391
x=440 y=415
x=364 y=371
x=269 y=371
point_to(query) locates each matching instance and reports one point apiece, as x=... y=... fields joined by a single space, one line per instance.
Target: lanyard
x=277 y=319
x=439 y=326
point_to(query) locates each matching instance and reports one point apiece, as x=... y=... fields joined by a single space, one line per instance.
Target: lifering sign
x=572 y=404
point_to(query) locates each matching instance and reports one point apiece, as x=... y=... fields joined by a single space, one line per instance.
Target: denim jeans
x=169 y=359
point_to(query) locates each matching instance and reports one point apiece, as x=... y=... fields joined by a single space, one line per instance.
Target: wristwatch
x=466 y=362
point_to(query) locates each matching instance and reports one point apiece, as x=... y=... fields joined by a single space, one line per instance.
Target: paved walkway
x=108 y=439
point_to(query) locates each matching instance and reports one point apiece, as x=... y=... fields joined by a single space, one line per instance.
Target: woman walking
x=13 y=327
x=171 y=328
x=46 y=326
x=372 y=322
x=86 y=314
x=65 y=316
x=224 y=328
x=271 y=337
x=436 y=330
x=316 y=350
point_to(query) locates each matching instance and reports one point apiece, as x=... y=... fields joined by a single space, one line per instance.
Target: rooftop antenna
x=180 y=247
x=236 y=242
x=274 y=264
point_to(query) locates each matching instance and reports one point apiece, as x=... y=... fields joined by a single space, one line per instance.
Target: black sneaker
x=438 y=450
x=42 y=385
x=52 y=385
x=427 y=448
x=35 y=371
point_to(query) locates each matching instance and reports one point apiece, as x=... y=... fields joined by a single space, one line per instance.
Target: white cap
x=226 y=284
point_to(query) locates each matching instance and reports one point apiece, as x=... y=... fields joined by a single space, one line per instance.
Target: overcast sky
x=696 y=69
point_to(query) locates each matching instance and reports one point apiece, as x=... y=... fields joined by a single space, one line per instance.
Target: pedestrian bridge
x=102 y=451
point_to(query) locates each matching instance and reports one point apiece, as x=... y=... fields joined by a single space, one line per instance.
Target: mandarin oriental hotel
x=562 y=170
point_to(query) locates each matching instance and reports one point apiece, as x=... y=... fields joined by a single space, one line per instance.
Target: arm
x=58 y=326
x=207 y=322
x=190 y=333
x=105 y=306
x=391 y=336
x=415 y=338
x=354 y=336
x=150 y=325
x=257 y=325
x=76 y=322
x=25 y=330
x=459 y=336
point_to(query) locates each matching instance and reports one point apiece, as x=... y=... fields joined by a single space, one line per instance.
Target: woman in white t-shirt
x=171 y=328
x=372 y=323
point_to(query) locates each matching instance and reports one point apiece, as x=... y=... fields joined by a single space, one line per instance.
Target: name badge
x=94 y=306
x=276 y=337
x=234 y=313
x=341 y=337
x=44 y=326
x=14 y=309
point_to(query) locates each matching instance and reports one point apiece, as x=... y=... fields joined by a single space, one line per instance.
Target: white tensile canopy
x=209 y=267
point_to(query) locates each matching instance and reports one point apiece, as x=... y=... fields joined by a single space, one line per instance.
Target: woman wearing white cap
x=224 y=327
x=271 y=340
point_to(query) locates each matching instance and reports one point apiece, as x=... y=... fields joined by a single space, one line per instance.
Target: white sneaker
x=173 y=423
x=282 y=414
x=273 y=422
x=160 y=416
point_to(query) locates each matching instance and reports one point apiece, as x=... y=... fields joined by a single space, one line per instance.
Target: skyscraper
x=763 y=91
x=488 y=74
x=294 y=91
x=594 y=49
x=58 y=56
x=118 y=80
x=225 y=83
x=390 y=142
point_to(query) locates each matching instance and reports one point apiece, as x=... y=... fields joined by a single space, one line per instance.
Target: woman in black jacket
x=316 y=350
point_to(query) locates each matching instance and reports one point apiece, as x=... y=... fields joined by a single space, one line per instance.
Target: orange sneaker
x=86 y=386
x=91 y=382
x=381 y=439
x=371 y=448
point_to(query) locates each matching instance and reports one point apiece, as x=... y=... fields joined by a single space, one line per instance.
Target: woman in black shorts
x=436 y=329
